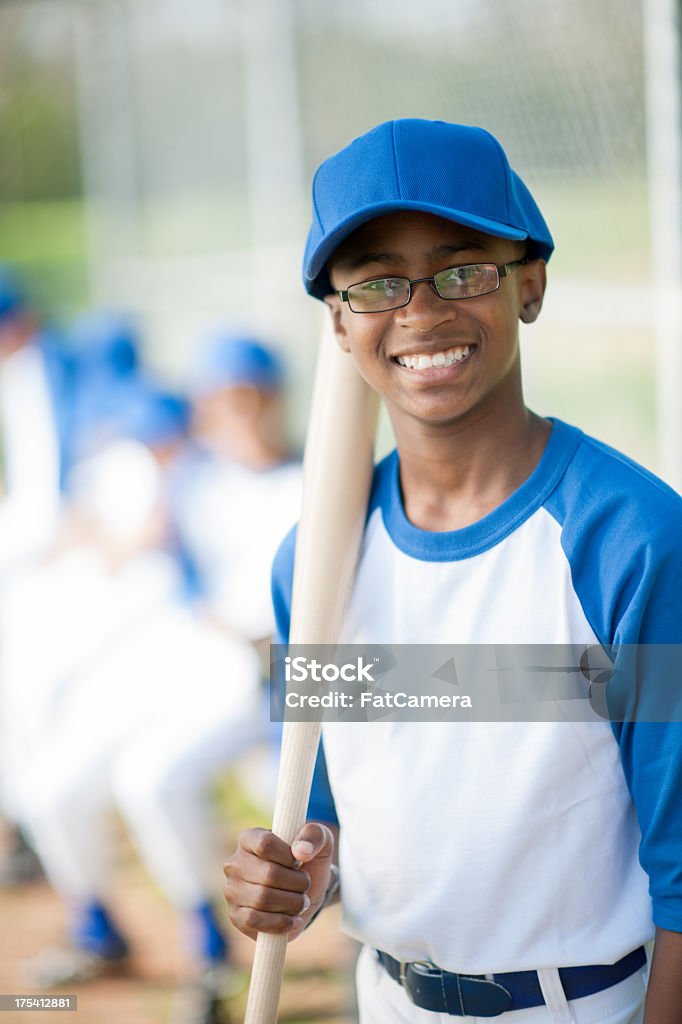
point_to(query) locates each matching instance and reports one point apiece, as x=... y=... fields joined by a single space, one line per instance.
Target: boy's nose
x=426 y=308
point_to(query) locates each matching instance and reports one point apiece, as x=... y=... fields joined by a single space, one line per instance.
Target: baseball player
x=489 y=869
x=244 y=496
x=164 y=701
x=148 y=702
x=36 y=395
x=250 y=486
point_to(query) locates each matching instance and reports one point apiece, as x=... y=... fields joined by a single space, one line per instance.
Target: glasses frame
x=503 y=270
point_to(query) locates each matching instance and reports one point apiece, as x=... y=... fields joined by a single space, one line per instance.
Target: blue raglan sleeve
x=651 y=751
x=622 y=534
x=321 y=804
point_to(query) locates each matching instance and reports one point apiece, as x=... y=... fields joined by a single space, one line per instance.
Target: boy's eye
x=380 y=294
x=384 y=286
x=462 y=274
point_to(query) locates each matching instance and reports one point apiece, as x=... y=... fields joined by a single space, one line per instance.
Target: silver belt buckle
x=402 y=979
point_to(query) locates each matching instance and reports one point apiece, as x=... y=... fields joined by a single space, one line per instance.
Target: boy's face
x=416 y=245
x=228 y=419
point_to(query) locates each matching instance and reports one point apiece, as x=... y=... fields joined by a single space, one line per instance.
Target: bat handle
x=268 y=968
x=299 y=748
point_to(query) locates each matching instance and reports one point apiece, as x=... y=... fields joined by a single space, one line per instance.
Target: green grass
x=46 y=242
x=193 y=225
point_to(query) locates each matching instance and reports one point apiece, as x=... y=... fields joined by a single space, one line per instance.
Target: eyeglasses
x=467 y=282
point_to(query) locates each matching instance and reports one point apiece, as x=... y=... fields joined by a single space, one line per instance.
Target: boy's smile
x=434 y=359
x=441 y=360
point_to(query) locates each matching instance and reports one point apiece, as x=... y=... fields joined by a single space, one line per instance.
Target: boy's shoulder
x=580 y=480
x=604 y=489
x=620 y=531
x=605 y=503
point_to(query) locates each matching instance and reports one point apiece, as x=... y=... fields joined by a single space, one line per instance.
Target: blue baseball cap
x=106 y=344
x=454 y=171
x=12 y=298
x=155 y=416
x=230 y=361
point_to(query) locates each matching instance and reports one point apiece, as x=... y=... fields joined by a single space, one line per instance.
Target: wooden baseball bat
x=337 y=475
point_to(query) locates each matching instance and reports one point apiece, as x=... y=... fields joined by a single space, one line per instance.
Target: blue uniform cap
x=12 y=298
x=106 y=344
x=454 y=171
x=155 y=416
x=230 y=361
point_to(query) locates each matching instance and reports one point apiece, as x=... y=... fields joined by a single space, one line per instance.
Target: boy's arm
x=664 y=994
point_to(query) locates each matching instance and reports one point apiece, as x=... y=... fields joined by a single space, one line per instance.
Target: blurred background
x=155 y=162
x=158 y=156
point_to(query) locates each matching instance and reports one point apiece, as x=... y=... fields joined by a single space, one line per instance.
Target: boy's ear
x=533 y=287
x=340 y=332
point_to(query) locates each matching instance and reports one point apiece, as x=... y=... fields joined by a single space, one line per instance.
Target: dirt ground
x=317 y=988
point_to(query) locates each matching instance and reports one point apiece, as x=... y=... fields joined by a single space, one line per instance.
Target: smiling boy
x=509 y=870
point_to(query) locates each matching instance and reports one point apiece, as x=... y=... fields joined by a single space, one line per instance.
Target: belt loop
x=553 y=991
x=459 y=993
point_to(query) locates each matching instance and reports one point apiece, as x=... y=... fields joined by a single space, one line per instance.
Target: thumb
x=314 y=840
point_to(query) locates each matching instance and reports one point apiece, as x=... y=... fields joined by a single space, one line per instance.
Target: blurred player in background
x=141 y=685
x=250 y=485
x=154 y=611
x=93 y=378
x=37 y=377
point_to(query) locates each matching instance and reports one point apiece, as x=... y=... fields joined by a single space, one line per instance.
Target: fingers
x=265 y=844
x=314 y=840
x=264 y=889
x=259 y=859
x=250 y=922
x=271 y=901
x=266 y=910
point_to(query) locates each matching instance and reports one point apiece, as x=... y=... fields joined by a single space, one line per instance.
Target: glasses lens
x=465 y=282
x=376 y=296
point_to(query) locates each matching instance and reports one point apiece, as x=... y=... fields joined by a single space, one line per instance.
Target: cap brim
x=346 y=227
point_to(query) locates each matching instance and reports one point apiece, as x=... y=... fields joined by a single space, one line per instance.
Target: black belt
x=476 y=996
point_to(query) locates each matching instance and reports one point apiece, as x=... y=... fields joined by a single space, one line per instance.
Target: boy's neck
x=452 y=477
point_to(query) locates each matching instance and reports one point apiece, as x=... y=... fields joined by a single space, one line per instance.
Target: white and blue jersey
x=492 y=847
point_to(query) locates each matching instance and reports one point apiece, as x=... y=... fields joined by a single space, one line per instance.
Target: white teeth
x=438 y=359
